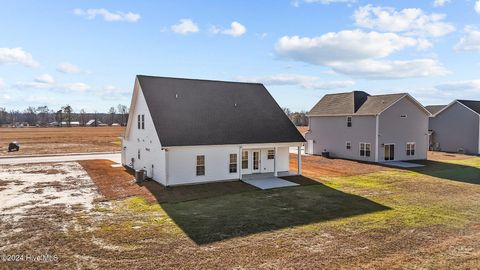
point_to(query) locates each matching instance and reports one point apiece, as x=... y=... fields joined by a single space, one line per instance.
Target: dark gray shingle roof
x=354 y=103
x=433 y=109
x=472 y=104
x=202 y=112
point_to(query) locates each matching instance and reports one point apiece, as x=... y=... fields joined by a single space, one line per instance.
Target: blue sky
x=87 y=53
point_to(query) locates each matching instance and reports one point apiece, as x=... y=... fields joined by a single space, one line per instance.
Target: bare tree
x=3 y=116
x=42 y=112
x=59 y=117
x=122 y=110
x=82 y=117
x=112 y=112
x=67 y=109
x=31 y=116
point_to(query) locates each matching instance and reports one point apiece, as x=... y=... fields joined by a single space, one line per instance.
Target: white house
x=185 y=131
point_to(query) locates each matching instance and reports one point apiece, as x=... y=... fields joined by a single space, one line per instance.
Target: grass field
x=376 y=218
x=60 y=140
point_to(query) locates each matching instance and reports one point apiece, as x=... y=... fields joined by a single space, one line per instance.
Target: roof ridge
x=191 y=79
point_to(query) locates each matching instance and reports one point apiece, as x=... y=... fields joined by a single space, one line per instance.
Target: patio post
x=275 y=173
x=299 y=160
x=239 y=162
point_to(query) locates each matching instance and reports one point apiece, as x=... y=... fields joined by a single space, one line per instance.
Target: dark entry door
x=389 y=151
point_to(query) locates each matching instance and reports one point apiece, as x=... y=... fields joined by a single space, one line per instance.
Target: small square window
x=349 y=121
x=403 y=116
x=271 y=154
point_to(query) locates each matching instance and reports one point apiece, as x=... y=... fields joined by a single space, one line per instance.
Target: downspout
x=376 y=137
x=166 y=167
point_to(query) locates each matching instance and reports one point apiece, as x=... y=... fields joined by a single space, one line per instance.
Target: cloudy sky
x=87 y=53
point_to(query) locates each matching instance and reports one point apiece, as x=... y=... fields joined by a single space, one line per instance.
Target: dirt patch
x=446 y=156
x=60 y=140
x=317 y=166
x=117 y=183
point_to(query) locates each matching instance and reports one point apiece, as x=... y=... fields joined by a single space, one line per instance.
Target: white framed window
x=403 y=116
x=245 y=160
x=348 y=145
x=365 y=149
x=271 y=154
x=143 y=121
x=349 y=121
x=410 y=149
x=200 y=165
x=138 y=154
x=233 y=163
x=139 y=122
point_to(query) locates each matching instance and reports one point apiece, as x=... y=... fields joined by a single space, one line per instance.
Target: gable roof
x=433 y=109
x=203 y=112
x=354 y=103
x=341 y=103
x=474 y=105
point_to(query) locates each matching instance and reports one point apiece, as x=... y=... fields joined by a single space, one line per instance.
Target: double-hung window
x=410 y=149
x=200 y=165
x=139 y=122
x=365 y=149
x=143 y=121
x=245 y=160
x=233 y=163
x=349 y=121
x=271 y=154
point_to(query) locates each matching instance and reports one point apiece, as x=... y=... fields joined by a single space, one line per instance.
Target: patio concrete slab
x=402 y=164
x=269 y=183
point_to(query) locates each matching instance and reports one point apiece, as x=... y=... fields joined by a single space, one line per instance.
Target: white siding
x=145 y=140
x=182 y=163
x=394 y=129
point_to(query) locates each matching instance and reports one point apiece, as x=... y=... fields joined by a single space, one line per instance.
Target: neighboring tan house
x=359 y=126
x=455 y=127
x=185 y=131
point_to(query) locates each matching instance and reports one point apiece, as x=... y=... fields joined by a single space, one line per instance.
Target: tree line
x=298 y=118
x=43 y=116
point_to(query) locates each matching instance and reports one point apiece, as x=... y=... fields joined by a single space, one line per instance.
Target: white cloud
x=411 y=21
x=17 y=56
x=469 y=42
x=477 y=6
x=77 y=87
x=236 y=29
x=342 y=46
x=185 y=26
x=296 y=3
x=440 y=3
x=309 y=82
x=360 y=54
x=107 y=15
x=45 y=78
x=47 y=82
x=466 y=85
x=2 y=84
x=68 y=68
x=374 y=69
